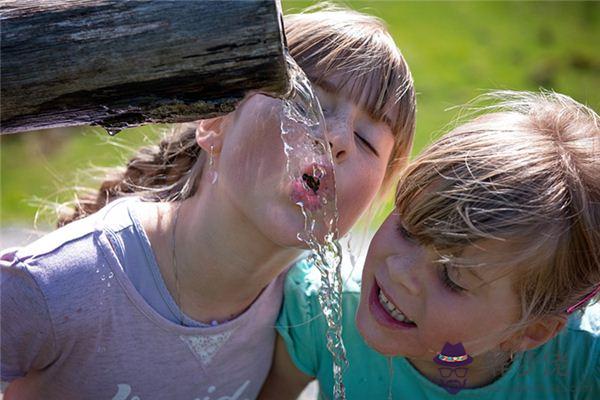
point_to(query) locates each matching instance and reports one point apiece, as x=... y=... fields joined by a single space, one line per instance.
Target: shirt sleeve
x=301 y=323
x=25 y=326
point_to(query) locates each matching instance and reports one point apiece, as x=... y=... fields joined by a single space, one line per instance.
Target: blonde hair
x=358 y=50
x=323 y=42
x=525 y=173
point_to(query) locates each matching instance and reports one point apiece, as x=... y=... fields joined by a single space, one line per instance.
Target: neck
x=484 y=369
x=222 y=263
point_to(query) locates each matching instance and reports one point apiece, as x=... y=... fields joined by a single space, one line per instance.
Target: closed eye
x=447 y=281
x=366 y=143
x=404 y=233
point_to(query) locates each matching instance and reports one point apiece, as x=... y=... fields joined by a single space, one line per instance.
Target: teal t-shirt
x=567 y=367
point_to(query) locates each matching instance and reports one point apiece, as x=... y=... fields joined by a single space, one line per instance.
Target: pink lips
x=313 y=188
x=381 y=315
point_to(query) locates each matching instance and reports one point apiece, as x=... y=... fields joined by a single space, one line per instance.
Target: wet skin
x=251 y=164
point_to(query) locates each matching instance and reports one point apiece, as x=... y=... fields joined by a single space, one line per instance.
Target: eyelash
x=366 y=143
x=403 y=232
x=449 y=283
x=362 y=140
x=443 y=271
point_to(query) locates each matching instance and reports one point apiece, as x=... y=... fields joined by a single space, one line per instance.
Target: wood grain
x=125 y=63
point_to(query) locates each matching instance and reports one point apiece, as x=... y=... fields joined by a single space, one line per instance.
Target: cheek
x=253 y=150
x=356 y=190
x=451 y=319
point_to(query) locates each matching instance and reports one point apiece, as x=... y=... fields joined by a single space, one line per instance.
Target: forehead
x=364 y=89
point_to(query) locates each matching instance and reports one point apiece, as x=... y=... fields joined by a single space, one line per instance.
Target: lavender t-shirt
x=75 y=327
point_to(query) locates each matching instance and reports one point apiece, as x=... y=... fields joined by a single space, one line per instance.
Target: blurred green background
x=456 y=51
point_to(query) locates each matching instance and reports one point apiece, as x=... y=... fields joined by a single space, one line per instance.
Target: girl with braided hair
x=166 y=283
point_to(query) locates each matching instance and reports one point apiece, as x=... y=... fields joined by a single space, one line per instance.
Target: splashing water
x=310 y=167
x=112 y=131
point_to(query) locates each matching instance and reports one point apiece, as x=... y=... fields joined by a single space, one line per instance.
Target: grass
x=456 y=51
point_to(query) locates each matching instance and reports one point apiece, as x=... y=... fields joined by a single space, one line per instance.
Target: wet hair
x=323 y=42
x=525 y=173
x=359 y=51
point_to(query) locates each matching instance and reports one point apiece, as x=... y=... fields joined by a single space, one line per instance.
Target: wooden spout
x=126 y=63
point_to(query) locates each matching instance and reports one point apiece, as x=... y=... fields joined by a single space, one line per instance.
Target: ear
x=536 y=333
x=209 y=134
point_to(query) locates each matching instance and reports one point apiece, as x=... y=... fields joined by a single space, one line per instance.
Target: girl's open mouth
x=313 y=188
x=386 y=312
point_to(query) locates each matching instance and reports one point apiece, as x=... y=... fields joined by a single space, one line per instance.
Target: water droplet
x=103 y=277
x=110 y=275
x=112 y=131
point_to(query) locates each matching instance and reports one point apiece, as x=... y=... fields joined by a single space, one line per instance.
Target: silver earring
x=212 y=172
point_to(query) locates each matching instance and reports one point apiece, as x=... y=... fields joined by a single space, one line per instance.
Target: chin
x=372 y=335
x=375 y=342
x=367 y=330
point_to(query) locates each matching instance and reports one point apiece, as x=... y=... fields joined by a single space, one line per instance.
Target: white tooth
x=391 y=308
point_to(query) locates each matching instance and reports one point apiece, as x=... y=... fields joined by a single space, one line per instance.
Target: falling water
x=303 y=135
x=305 y=144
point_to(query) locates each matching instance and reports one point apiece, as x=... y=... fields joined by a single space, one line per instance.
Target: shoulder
x=300 y=294
x=112 y=217
x=73 y=244
x=302 y=286
x=67 y=265
x=304 y=277
x=570 y=361
x=581 y=337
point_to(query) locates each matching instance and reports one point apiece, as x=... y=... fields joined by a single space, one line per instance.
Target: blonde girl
x=472 y=286
x=166 y=283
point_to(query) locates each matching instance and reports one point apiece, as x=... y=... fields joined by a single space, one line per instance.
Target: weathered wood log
x=123 y=63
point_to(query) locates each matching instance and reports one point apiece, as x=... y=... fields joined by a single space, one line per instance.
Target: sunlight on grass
x=456 y=50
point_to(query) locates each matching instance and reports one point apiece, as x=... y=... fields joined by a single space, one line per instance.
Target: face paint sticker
x=453 y=360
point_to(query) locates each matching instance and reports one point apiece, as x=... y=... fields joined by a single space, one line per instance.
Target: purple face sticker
x=453 y=360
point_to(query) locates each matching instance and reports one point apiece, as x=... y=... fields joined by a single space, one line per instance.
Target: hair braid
x=163 y=172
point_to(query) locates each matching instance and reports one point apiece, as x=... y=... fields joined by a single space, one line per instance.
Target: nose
x=402 y=270
x=340 y=131
x=337 y=152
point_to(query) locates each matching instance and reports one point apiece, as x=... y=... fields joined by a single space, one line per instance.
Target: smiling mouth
x=392 y=310
x=386 y=312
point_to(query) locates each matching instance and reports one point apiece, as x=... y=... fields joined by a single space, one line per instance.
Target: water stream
x=310 y=168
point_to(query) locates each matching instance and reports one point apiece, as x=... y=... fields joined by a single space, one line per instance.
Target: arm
x=25 y=327
x=285 y=380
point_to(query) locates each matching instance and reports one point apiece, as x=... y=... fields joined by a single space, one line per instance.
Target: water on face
x=305 y=144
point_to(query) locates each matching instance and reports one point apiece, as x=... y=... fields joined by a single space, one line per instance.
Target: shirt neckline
x=101 y=236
